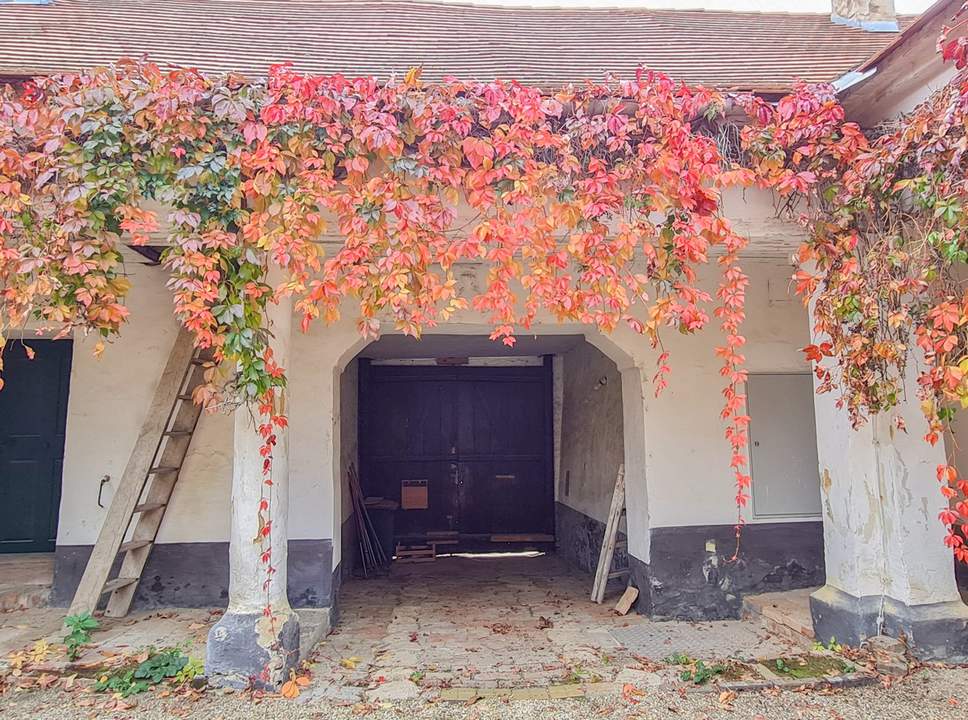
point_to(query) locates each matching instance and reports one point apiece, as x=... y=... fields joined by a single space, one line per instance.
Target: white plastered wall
x=592 y=435
x=108 y=401
x=676 y=440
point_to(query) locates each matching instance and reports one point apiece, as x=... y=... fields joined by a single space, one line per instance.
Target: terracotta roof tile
x=545 y=47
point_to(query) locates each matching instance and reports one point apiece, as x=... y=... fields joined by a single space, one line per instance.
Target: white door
x=783 y=446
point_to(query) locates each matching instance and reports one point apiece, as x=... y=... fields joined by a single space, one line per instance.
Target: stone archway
x=620 y=350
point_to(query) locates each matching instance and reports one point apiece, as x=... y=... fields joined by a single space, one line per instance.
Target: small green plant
x=833 y=646
x=678 y=659
x=170 y=663
x=700 y=673
x=79 y=629
x=416 y=676
x=782 y=666
x=159 y=666
x=579 y=675
x=122 y=682
x=193 y=668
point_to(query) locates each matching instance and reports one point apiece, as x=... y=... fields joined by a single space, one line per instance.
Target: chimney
x=870 y=15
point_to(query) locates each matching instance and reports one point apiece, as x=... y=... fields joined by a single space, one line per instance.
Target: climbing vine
x=595 y=204
x=886 y=253
x=581 y=204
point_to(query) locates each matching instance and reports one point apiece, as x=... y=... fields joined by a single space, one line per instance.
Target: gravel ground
x=929 y=695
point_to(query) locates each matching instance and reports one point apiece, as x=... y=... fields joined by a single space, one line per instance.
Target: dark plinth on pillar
x=938 y=631
x=247 y=650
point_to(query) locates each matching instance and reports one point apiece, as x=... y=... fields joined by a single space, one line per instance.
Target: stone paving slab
x=707 y=640
x=184 y=628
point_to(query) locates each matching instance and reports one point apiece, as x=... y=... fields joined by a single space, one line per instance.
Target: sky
x=906 y=7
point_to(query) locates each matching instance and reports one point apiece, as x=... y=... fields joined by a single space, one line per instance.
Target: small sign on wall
x=413 y=495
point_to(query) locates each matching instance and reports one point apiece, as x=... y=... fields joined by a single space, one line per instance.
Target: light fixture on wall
x=602 y=382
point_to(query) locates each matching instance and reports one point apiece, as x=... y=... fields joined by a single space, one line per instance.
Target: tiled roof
x=545 y=47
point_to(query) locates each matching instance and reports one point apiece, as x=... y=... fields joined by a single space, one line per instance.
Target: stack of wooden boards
x=424 y=548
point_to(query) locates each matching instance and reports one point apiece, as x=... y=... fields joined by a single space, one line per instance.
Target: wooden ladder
x=605 y=572
x=146 y=485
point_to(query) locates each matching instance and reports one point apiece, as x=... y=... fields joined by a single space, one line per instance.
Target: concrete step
x=784 y=614
x=24 y=597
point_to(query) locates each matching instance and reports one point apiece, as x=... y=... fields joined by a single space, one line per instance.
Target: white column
x=249 y=641
x=887 y=568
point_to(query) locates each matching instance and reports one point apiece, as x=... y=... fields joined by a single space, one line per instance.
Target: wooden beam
x=611 y=535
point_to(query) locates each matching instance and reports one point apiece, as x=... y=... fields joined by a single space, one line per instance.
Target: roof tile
x=544 y=47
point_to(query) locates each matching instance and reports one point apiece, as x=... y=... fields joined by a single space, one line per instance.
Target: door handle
x=104 y=480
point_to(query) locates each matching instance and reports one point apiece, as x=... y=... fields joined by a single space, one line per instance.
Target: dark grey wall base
x=961 y=575
x=934 y=632
x=197 y=574
x=640 y=577
x=578 y=536
x=350 y=546
x=687 y=581
x=337 y=585
x=311 y=573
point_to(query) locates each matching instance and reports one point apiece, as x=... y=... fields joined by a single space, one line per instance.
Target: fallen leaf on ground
x=630 y=693
x=350 y=663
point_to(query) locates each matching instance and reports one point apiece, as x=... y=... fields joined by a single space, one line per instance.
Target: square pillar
x=256 y=642
x=887 y=568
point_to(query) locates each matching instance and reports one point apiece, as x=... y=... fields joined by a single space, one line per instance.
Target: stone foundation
x=938 y=631
x=249 y=650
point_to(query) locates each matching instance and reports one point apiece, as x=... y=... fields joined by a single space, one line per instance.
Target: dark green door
x=33 y=414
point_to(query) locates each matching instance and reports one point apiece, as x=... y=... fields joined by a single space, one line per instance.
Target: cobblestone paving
x=508 y=622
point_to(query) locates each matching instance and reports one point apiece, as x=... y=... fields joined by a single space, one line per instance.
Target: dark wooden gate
x=480 y=436
x=33 y=415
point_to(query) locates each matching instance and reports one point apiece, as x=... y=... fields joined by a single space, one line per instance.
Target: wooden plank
x=134 y=545
x=523 y=537
x=132 y=481
x=119 y=582
x=627 y=600
x=611 y=535
x=148 y=507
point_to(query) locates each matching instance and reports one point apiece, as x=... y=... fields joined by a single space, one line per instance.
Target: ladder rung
x=178 y=433
x=200 y=360
x=185 y=397
x=617 y=574
x=148 y=507
x=117 y=584
x=621 y=543
x=133 y=545
x=162 y=469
